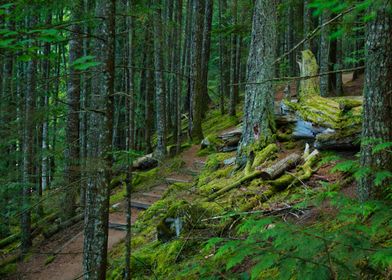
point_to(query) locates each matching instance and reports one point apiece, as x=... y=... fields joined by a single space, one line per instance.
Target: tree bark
x=196 y=93
x=258 y=124
x=206 y=50
x=28 y=154
x=72 y=152
x=100 y=150
x=307 y=24
x=377 y=117
x=160 y=93
x=324 y=54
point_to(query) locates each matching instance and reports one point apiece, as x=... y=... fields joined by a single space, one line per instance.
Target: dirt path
x=67 y=265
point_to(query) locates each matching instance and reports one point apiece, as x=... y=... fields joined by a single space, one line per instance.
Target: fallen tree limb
x=281 y=166
x=56 y=228
x=304 y=172
x=36 y=228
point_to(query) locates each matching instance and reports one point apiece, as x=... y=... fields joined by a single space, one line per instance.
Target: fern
x=381 y=176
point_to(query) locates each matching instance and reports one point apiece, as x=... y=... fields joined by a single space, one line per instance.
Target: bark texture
x=377 y=108
x=258 y=124
x=160 y=150
x=72 y=152
x=100 y=151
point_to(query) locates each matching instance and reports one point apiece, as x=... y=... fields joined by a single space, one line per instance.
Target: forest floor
x=68 y=244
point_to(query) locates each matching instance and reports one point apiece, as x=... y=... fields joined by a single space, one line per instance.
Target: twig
x=314 y=32
x=302 y=77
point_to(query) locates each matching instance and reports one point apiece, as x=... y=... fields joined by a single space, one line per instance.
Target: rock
x=229 y=161
x=205 y=143
x=168 y=229
x=146 y=162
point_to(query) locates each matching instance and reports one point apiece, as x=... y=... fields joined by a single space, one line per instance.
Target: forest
x=195 y=139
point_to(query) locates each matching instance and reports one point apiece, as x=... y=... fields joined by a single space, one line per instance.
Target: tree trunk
x=233 y=66
x=206 y=50
x=160 y=93
x=258 y=124
x=28 y=155
x=72 y=152
x=196 y=93
x=324 y=54
x=100 y=150
x=177 y=83
x=131 y=78
x=308 y=26
x=377 y=117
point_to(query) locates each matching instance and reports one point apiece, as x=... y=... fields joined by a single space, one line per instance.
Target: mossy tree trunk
x=258 y=123
x=308 y=67
x=377 y=117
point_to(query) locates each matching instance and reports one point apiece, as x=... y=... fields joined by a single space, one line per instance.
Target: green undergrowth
x=145 y=180
x=254 y=230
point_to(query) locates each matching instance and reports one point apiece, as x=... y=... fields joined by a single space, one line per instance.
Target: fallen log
x=281 y=166
x=261 y=157
x=304 y=173
x=338 y=140
x=58 y=227
x=230 y=140
x=36 y=229
x=264 y=155
x=145 y=162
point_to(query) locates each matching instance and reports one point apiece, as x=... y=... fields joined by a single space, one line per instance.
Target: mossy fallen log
x=236 y=184
x=265 y=154
x=260 y=158
x=36 y=229
x=304 y=172
x=57 y=227
x=337 y=140
x=279 y=167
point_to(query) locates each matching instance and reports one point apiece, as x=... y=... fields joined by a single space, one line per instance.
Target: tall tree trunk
x=160 y=92
x=339 y=66
x=177 y=83
x=98 y=188
x=196 y=112
x=206 y=49
x=150 y=89
x=233 y=47
x=72 y=152
x=258 y=124
x=222 y=82
x=324 y=55
x=28 y=156
x=377 y=108
x=131 y=78
x=307 y=24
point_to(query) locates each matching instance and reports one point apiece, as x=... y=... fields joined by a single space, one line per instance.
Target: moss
x=308 y=67
x=264 y=155
x=215 y=122
x=8 y=269
x=49 y=259
x=290 y=145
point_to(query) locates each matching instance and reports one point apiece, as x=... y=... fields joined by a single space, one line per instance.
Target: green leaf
x=266 y=261
x=382 y=258
x=345 y=166
x=85 y=62
x=381 y=176
x=381 y=147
